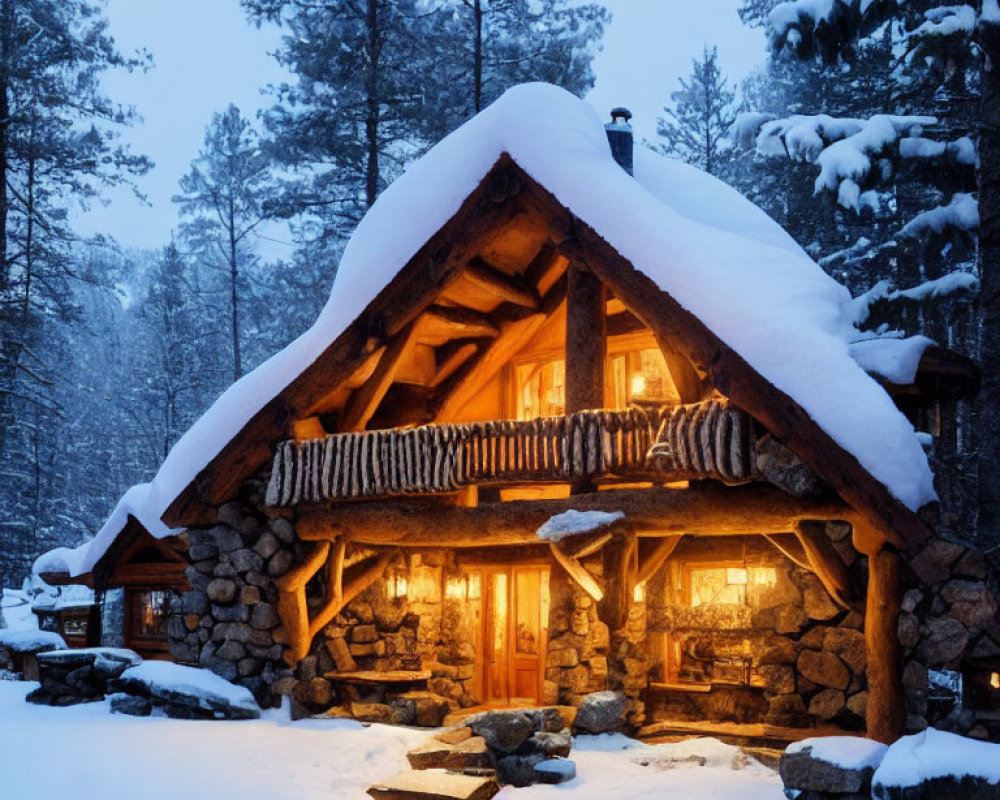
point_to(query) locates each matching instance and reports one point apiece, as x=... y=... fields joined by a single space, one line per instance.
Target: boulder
x=130 y=704
x=187 y=692
x=504 y=731
x=835 y=765
x=419 y=785
x=429 y=755
x=470 y=754
x=517 y=770
x=935 y=765
x=943 y=642
x=555 y=770
x=601 y=712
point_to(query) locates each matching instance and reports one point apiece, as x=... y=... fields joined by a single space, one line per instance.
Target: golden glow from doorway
x=468 y=587
x=727 y=586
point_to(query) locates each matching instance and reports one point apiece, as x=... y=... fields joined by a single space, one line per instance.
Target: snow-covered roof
x=712 y=250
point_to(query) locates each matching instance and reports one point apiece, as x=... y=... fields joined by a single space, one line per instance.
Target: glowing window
x=541 y=389
x=641 y=376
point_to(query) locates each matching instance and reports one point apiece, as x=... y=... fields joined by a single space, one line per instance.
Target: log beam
x=789 y=546
x=706 y=510
x=480 y=369
x=509 y=288
x=620 y=568
x=577 y=572
x=362 y=576
x=663 y=550
x=366 y=398
x=441 y=323
x=586 y=349
x=826 y=561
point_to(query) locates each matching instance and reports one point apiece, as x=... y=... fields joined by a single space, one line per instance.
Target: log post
x=586 y=349
x=886 y=711
x=620 y=560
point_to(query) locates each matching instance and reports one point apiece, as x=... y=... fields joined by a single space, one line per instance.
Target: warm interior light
x=455 y=589
x=638 y=384
x=995 y=680
x=736 y=576
x=764 y=576
x=639 y=593
x=396 y=585
x=474 y=586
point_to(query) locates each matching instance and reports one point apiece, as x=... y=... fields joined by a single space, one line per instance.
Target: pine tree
x=223 y=202
x=697 y=126
x=379 y=81
x=57 y=144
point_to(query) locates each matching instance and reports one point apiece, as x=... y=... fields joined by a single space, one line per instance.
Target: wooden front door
x=515 y=627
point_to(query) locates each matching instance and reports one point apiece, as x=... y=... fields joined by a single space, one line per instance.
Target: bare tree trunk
x=6 y=31
x=372 y=115
x=988 y=401
x=234 y=277
x=477 y=55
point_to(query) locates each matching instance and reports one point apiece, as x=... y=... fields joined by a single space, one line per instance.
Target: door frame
x=484 y=634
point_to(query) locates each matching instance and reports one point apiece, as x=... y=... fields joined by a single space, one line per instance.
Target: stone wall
x=228 y=621
x=949 y=623
x=577 y=659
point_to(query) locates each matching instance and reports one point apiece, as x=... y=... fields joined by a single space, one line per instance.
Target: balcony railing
x=703 y=440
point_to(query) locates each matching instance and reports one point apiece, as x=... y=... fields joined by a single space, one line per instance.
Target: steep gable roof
x=710 y=251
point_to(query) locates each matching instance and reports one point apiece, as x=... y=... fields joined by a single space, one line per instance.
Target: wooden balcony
x=703 y=440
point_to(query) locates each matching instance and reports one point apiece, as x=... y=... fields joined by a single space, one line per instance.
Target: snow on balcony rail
x=702 y=440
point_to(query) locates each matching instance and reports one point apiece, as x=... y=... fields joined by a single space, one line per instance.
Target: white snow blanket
x=165 y=676
x=155 y=758
x=26 y=640
x=716 y=253
x=937 y=754
x=896 y=360
x=575 y=523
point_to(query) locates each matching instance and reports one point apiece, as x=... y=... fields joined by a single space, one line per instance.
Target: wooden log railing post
x=586 y=349
x=886 y=712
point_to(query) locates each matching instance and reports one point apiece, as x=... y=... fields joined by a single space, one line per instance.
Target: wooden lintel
x=664 y=549
x=367 y=397
x=826 y=561
x=577 y=572
x=706 y=510
x=509 y=288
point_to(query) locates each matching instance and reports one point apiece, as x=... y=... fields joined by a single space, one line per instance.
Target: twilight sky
x=206 y=56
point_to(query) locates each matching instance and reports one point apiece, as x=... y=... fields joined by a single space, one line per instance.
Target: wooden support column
x=586 y=349
x=620 y=572
x=886 y=712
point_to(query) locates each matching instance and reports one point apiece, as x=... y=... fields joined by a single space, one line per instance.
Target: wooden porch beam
x=664 y=549
x=826 y=561
x=700 y=511
x=363 y=575
x=450 y=357
x=577 y=572
x=509 y=288
x=366 y=398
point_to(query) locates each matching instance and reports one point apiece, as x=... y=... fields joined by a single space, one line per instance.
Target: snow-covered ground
x=54 y=752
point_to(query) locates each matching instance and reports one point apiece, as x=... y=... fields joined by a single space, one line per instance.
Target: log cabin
x=574 y=418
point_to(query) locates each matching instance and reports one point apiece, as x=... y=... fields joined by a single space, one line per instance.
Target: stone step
x=434 y=785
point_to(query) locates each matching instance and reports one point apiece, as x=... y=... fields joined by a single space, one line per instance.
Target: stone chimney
x=620 y=137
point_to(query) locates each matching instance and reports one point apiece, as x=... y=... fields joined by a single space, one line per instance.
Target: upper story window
x=635 y=375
